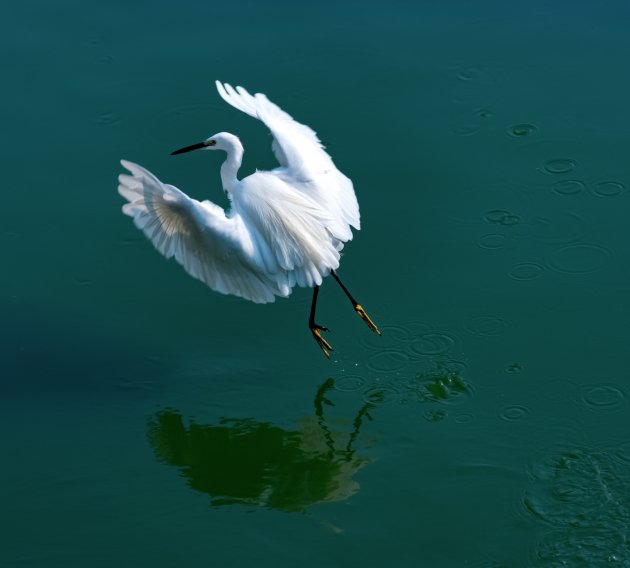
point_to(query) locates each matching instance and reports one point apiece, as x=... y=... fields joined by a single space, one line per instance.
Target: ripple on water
x=431 y=344
x=513 y=369
x=471 y=123
x=472 y=74
x=350 y=383
x=474 y=87
x=602 y=397
x=568 y=187
x=559 y=166
x=579 y=258
x=560 y=228
x=464 y=418
x=107 y=119
x=609 y=188
x=522 y=130
x=379 y=395
x=492 y=241
x=622 y=452
x=582 y=493
x=501 y=217
x=526 y=271
x=390 y=338
x=443 y=385
x=466 y=129
x=388 y=360
x=486 y=325
x=416 y=328
x=435 y=415
x=513 y=413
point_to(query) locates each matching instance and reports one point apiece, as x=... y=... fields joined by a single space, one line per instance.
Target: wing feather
x=210 y=246
x=305 y=164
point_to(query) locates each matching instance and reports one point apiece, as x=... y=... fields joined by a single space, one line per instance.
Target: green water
x=148 y=421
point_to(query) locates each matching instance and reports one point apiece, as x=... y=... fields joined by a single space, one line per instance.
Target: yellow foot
x=363 y=315
x=317 y=335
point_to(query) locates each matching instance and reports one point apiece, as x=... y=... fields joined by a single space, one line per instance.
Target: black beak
x=197 y=146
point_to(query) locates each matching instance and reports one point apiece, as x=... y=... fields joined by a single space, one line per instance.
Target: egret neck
x=230 y=167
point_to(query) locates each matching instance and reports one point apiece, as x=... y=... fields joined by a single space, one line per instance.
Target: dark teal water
x=151 y=422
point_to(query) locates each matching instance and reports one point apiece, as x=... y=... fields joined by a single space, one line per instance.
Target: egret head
x=220 y=141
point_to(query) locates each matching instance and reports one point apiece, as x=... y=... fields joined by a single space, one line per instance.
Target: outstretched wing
x=210 y=246
x=295 y=145
x=298 y=149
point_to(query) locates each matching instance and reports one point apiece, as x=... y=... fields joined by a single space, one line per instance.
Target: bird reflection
x=250 y=462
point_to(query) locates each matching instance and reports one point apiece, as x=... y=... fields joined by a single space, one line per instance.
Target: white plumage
x=285 y=226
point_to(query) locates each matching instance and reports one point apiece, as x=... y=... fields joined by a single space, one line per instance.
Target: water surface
x=151 y=422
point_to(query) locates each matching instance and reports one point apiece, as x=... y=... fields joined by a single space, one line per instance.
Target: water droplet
x=492 y=241
x=568 y=187
x=520 y=130
x=559 y=166
x=432 y=344
x=609 y=188
x=513 y=413
x=513 y=369
x=580 y=258
x=526 y=271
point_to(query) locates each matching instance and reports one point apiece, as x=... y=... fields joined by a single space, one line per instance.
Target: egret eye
x=211 y=142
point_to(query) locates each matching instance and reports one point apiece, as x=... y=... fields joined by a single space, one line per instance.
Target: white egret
x=285 y=227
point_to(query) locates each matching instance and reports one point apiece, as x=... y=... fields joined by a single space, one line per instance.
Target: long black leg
x=317 y=329
x=357 y=307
